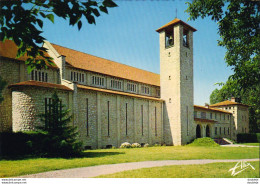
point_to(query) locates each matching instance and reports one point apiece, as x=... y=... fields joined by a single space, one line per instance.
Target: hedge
x=20 y=144
x=248 y=137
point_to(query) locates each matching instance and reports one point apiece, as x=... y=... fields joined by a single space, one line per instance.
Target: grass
x=214 y=170
x=9 y=168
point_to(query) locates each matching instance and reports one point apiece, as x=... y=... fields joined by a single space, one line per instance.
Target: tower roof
x=174 y=22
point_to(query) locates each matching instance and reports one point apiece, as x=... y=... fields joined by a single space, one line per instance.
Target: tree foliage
x=22 y=22
x=2 y=86
x=62 y=138
x=239 y=30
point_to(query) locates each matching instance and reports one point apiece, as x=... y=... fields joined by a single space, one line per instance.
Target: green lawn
x=10 y=168
x=214 y=170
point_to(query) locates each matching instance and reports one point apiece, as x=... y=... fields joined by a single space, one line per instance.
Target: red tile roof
x=92 y=63
x=204 y=120
x=173 y=22
x=210 y=109
x=227 y=102
x=117 y=92
x=40 y=84
x=8 y=49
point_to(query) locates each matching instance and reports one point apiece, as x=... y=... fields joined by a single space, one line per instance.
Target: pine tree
x=61 y=138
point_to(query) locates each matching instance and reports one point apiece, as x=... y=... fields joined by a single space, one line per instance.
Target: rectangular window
x=224 y=131
x=224 y=116
x=228 y=131
x=142 y=119
x=131 y=87
x=46 y=77
x=74 y=76
x=71 y=76
x=108 y=118
x=215 y=115
x=32 y=75
x=169 y=38
x=43 y=76
x=115 y=84
x=83 y=77
x=211 y=115
x=187 y=111
x=40 y=76
x=87 y=125
x=155 y=123
x=219 y=116
x=219 y=130
x=195 y=114
x=98 y=81
x=203 y=115
x=126 y=118
x=216 y=130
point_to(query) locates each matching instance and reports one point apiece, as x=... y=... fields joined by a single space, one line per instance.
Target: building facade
x=112 y=103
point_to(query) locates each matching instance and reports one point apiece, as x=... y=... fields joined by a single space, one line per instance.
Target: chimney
x=233 y=99
x=207 y=105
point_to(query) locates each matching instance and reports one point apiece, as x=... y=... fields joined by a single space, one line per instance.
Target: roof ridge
x=106 y=59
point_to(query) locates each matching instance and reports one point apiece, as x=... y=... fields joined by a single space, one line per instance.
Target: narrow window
x=185 y=38
x=108 y=118
x=169 y=41
x=195 y=114
x=219 y=116
x=40 y=79
x=83 y=77
x=211 y=115
x=93 y=81
x=126 y=118
x=216 y=130
x=220 y=130
x=79 y=77
x=32 y=75
x=71 y=75
x=224 y=131
x=228 y=131
x=155 y=123
x=224 y=116
x=46 y=77
x=87 y=125
x=142 y=119
x=215 y=115
x=170 y=100
x=43 y=76
x=36 y=74
x=74 y=76
x=169 y=77
x=187 y=111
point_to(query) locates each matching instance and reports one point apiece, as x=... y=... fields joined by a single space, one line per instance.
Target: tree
x=62 y=138
x=239 y=30
x=2 y=86
x=22 y=21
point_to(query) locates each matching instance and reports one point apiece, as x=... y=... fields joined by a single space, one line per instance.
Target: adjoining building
x=114 y=103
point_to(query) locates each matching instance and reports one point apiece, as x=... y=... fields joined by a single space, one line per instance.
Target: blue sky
x=127 y=35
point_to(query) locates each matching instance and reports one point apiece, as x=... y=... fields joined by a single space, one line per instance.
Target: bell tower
x=176 y=81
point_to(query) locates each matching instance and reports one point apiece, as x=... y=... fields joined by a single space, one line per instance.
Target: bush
x=136 y=145
x=205 y=141
x=146 y=145
x=248 y=137
x=125 y=145
x=21 y=144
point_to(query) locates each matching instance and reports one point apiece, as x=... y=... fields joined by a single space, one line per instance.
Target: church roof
x=211 y=109
x=40 y=84
x=227 y=102
x=8 y=49
x=174 y=22
x=92 y=63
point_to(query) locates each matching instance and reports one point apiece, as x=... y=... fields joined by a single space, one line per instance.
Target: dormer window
x=185 y=38
x=169 y=38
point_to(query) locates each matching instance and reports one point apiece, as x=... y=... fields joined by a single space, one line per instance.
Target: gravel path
x=93 y=171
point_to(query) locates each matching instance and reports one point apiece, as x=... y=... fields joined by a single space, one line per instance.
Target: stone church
x=112 y=103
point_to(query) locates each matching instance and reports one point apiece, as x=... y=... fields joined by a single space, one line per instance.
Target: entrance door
x=198 y=132
x=207 y=131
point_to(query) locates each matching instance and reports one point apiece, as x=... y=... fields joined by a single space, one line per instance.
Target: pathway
x=93 y=171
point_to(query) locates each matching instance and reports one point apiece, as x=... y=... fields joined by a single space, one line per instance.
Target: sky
x=127 y=35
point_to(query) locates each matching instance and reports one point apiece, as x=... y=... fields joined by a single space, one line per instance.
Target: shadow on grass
x=82 y=155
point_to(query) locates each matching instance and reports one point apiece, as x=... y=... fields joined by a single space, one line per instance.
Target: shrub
x=146 y=145
x=125 y=145
x=205 y=141
x=156 y=145
x=248 y=137
x=136 y=145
